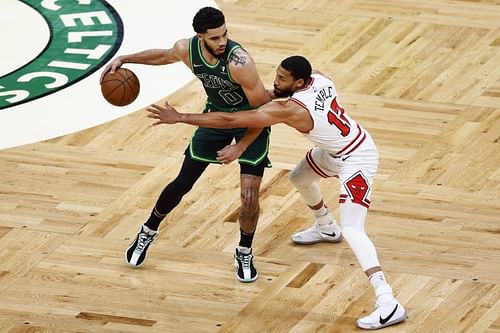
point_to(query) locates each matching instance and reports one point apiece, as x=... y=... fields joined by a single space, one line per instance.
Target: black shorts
x=207 y=141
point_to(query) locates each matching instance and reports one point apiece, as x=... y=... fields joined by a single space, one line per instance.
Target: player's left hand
x=164 y=114
x=229 y=153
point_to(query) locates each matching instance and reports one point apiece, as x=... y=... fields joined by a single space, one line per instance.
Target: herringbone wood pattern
x=422 y=76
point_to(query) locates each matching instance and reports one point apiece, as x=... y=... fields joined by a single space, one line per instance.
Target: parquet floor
x=422 y=76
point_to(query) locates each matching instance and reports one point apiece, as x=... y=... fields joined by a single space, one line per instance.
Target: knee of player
x=293 y=176
x=249 y=203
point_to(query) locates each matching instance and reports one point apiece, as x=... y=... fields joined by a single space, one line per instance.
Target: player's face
x=284 y=83
x=215 y=40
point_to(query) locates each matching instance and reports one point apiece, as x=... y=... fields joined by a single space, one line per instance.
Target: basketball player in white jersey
x=343 y=149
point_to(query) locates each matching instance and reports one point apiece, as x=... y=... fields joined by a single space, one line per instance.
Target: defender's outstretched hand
x=164 y=114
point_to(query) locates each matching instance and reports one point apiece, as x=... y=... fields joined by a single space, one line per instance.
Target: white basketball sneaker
x=384 y=315
x=329 y=232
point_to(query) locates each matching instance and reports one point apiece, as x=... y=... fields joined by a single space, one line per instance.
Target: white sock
x=383 y=292
x=377 y=279
x=320 y=212
x=323 y=216
x=148 y=230
x=244 y=250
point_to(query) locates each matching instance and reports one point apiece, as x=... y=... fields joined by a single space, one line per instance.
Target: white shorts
x=355 y=171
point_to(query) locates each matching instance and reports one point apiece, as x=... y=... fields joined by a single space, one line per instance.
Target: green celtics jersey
x=223 y=93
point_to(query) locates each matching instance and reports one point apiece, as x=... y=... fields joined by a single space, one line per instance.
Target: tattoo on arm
x=239 y=58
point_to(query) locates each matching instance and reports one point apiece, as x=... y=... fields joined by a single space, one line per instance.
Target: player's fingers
x=223 y=156
x=114 y=66
x=222 y=160
x=156 y=107
x=106 y=69
x=223 y=150
x=153 y=109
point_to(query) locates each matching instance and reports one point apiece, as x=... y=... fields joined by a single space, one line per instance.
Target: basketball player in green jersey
x=232 y=83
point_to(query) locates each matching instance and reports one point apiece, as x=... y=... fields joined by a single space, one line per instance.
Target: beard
x=212 y=51
x=282 y=93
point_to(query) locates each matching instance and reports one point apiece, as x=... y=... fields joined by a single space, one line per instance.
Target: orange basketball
x=121 y=87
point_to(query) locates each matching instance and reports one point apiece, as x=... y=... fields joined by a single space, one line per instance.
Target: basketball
x=121 y=87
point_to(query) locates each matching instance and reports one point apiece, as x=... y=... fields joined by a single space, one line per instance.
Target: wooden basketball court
x=423 y=77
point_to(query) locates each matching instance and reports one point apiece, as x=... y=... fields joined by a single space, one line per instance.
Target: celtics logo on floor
x=84 y=34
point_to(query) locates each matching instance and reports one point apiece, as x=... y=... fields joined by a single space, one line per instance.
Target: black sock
x=154 y=220
x=246 y=239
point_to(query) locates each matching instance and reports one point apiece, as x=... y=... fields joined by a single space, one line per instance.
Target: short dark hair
x=207 y=18
x=298 y=66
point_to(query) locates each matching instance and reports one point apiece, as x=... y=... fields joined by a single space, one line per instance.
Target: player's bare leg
x=248 y=218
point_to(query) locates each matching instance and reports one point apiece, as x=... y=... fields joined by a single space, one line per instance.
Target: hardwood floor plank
x=422 y=77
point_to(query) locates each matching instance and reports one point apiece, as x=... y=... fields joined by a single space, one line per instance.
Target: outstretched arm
x=267 y=115
x=179 y=52
x=287 y=112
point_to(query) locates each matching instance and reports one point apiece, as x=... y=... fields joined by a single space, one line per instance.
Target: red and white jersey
x=333 y=130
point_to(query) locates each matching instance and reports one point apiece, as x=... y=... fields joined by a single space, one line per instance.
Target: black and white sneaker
x=243 y=264
x=136 y=252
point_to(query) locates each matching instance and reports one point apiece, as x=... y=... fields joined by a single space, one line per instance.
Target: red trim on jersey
x=304 y=107
x=313 y=165
x=307 y=86
x=350 y=143
x=357 y=141
x=342 y=198
x=299 y=103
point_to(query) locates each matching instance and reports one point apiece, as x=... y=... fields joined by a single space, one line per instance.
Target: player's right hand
x=111 y=67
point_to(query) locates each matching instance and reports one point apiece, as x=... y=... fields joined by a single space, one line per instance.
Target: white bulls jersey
x=334 y=131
